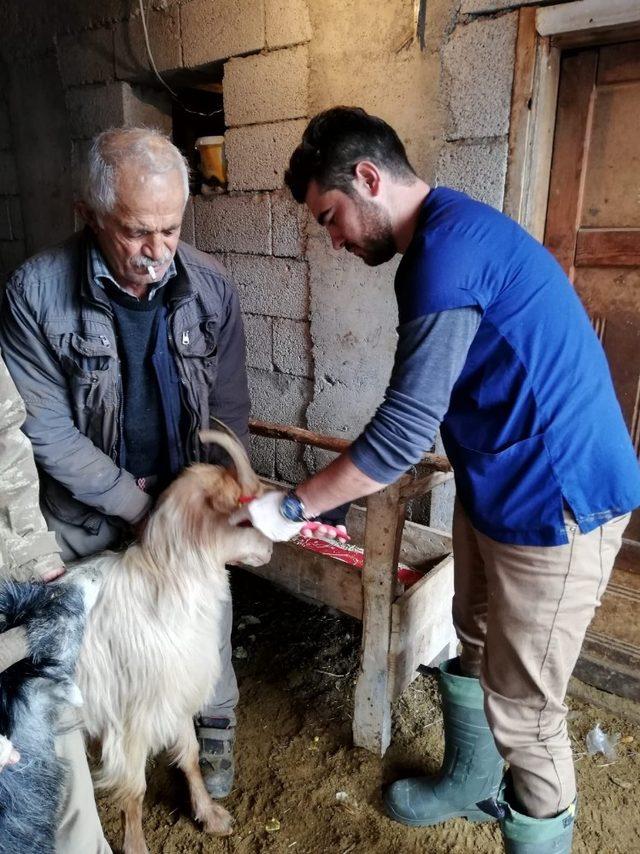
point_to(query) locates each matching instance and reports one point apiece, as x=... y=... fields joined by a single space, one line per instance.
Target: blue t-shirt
x=532 y=421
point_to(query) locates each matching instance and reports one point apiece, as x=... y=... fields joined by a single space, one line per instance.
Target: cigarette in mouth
x=148 y=263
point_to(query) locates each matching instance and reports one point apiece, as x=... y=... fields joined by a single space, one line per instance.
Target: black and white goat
x=31 y=694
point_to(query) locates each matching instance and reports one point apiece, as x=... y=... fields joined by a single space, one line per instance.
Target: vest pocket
x=199 y=342
x=514 y=490
x=197 y=347
x=89 y=364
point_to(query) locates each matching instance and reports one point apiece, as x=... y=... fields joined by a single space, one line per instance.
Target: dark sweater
x=143 y=449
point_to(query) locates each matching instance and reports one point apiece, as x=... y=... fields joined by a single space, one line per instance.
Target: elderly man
x=495 y=348
x=124 y=342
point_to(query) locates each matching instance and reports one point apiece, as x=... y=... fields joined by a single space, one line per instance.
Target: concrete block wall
x=129 y=45
x=93 y=108
x=268 y=87
x=95 y=65
x=218 y=29
x=98 y=49
x=258 y=155
x=287 y=22
x=320 y=325
x=477 y=166
x=478 y=95
x=366 y=55
x=257 y=228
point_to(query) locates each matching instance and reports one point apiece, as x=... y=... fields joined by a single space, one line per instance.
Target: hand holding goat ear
x=264 y=514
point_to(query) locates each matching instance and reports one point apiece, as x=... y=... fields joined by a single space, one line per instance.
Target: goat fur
x=151 y=649
x=31 y=693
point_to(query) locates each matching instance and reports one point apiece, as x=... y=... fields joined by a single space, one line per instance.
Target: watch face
x=292 y=508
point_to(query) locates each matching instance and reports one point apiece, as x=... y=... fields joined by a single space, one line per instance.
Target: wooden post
x=383 y=533
x=531 y=126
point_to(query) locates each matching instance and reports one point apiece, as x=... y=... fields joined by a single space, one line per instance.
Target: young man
x=495 y=349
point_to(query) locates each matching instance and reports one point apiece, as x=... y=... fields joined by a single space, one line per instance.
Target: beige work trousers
x=79 y=830
x=521 y=613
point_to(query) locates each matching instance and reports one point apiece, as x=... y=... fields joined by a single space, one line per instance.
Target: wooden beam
x=297 y=434
x=521 y=117
x=596 y=38
x=421 y=625
x=327 y=443
x=608 y=247
x=383 y=533
x=423 y=485
x=545 y=102
x=532 y=126
x=585 y=15
x=314 y=577
x=595 y=670
x=436 y=462
x=621 y=707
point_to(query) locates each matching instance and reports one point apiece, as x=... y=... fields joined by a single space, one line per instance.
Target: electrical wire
x=154 y=68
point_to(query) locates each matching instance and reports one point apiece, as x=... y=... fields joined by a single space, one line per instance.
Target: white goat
x=150 y=651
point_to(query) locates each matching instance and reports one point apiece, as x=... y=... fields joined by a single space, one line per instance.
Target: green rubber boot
x=472 y=768
x=525 y=835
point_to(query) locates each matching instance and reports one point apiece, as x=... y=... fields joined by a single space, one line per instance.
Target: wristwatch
x=292 y=508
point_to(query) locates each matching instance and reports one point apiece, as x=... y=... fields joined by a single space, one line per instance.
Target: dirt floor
x=296 y=666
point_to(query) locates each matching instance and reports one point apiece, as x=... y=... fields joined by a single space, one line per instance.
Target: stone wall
x=320 y=325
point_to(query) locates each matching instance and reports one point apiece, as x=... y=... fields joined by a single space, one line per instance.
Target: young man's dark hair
x=335 y=141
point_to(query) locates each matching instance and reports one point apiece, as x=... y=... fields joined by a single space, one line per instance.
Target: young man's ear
x=367 y=178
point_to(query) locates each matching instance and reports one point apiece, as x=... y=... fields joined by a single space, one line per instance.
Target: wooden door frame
x=542 y=35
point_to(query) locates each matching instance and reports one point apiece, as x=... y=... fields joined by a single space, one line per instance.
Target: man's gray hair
x=145 y=148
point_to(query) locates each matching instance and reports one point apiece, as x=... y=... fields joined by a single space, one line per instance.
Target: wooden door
x=593 y=217
x=593 y=229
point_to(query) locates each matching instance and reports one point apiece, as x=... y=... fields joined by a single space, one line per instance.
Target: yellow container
x=212 y=160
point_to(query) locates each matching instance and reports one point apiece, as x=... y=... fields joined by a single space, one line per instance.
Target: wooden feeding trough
x=406 y=615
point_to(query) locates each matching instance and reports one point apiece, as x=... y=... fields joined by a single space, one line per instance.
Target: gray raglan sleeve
x=429 y=358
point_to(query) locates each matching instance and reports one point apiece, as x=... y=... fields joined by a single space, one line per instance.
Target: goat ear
x=223 y=497
x=195 y=520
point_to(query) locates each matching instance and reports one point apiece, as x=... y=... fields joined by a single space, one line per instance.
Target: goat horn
x=228 y=440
